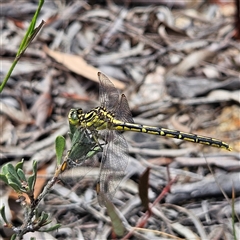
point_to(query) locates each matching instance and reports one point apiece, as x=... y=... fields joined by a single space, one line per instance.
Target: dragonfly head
x=74 y=116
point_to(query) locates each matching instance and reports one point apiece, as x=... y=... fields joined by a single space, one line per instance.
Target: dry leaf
x=78 y=65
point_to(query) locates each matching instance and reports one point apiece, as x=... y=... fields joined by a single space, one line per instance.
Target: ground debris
x=177 y=64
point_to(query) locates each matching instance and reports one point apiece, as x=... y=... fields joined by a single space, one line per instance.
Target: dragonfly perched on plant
x=107 y=121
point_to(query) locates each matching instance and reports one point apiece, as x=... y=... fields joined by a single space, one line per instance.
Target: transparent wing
x=122 y=111
x=114 y=163
x=108 y=94
x=114 y=157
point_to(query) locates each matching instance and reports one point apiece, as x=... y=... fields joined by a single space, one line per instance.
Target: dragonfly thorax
x=96 y=119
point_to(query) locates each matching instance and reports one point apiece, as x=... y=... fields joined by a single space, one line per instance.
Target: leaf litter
x=179 y=68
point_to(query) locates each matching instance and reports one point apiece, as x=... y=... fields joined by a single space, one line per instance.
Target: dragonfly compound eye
x=73 y=117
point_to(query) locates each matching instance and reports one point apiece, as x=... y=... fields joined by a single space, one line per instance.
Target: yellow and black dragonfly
x=107 y=121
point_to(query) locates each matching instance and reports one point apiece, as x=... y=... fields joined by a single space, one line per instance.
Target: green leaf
x=21 y=175
x=14 y=180
x=31 y=182
x=35 y=168
x=13 y=176
x=60 y=143
x=55 y=227
x=11 y=170
x=4 y=178
x=37 y=214
x=13 y=237
x=15 y=186
x=32 y=179
x=19 y=165
x=43 y=218
x=2 y=212
x=5 y=169
x=46 y=223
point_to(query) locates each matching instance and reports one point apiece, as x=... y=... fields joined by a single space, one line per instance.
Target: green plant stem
x=29 y=36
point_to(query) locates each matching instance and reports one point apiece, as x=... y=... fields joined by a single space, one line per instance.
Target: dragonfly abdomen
x=124 y=126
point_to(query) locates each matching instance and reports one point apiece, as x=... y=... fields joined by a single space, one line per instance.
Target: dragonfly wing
x=123 y=112
x=108 y=94
x=114 y=163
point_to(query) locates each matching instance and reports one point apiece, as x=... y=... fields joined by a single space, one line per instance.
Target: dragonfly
x=107 y=121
